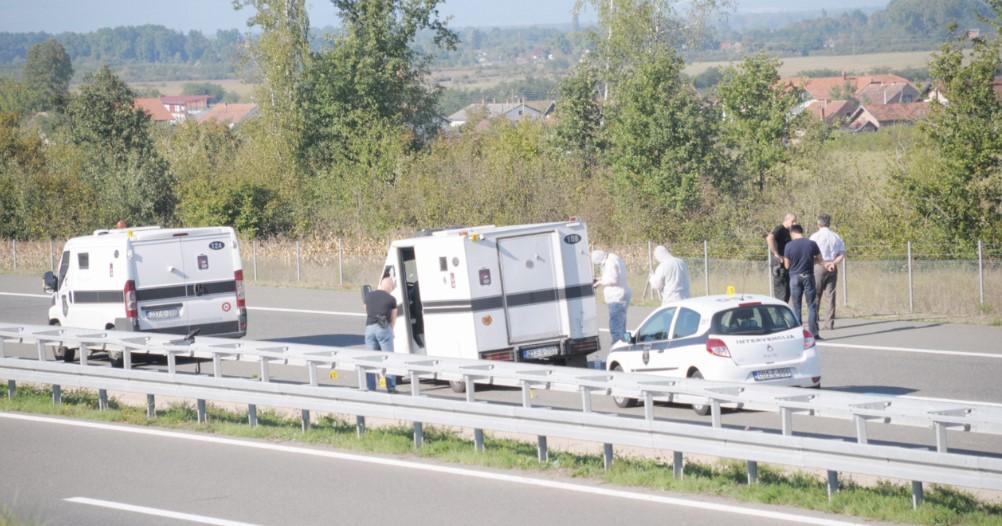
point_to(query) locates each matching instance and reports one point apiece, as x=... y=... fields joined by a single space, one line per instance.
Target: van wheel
x=65 y=354
x=457 y=386
x=704 y=409
x=116 y=359
x=622 y=401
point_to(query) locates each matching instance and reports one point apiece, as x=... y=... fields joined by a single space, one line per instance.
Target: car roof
x=709 y=305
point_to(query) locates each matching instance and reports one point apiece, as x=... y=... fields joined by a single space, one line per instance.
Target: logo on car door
x=647 y=356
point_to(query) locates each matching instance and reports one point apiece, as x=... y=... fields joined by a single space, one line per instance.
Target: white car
x=738 y=338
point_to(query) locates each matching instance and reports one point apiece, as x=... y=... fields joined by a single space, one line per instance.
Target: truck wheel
x=704 y=409
x=457 y=386
x=116 y=359
x=65 y=354
x=622 y=401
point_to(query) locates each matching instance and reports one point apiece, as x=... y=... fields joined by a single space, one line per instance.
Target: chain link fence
x=888 y=280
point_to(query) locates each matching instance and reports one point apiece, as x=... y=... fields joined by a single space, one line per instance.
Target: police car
x=733 y=338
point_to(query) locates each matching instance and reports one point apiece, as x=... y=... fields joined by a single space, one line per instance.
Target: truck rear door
x=160 y=284
x=211 y=293
x=529 y=287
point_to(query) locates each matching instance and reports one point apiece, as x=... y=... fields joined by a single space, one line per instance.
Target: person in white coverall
x=617 y=292
x=671 y=277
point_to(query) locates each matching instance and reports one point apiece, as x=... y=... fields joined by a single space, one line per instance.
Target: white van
x=152 y=279
x=514 y=293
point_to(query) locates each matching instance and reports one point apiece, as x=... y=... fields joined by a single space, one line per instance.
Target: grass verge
x=885 y=501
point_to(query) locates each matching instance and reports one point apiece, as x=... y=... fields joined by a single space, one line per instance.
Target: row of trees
x=346 y=142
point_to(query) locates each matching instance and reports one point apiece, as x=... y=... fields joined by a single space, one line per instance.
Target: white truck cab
x=514 y=293
x=151 y=279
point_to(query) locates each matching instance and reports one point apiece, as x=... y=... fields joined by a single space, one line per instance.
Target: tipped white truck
x=514 y=293
x=150 y=279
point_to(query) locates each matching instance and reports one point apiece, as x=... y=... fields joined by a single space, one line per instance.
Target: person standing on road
x=671 y=277
x=380 y=316
x=826 y=274
x=777 y=240
x=799 y=257
x=617 y=291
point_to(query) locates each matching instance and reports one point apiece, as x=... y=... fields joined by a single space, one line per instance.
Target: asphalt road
x=59 y=472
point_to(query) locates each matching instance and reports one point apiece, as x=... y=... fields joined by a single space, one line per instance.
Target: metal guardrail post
x=415 y=391
x=911 y=297
x=478 y=434
x=252 y=415
x=752 y=472
x=917 y=494
x=607 y=456
x=11 y=389
x=359 y=426
x=677 y=465
x=981 y=273
x=305 y=420
x=254 y=258
x=102 y=399
x=299 y=267
x=200 y=409
x=151 y=406
x=57 y=394
x=706 y=266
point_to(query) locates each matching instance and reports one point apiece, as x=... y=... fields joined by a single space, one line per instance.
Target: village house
x=513 y=111
x=155 y=109
x=230 y=115
x=180 y=106
x=873 y=117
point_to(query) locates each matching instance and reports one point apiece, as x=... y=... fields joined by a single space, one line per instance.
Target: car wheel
x=116 y=358
x=622 y=401
x=704 y=409
x=457 y=386
x=63 y=353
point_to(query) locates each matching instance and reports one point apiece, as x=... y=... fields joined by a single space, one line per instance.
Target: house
x=181 y=105
x=872 y=117
x=832 y=112
x=155 y=109
x=879 y=93
x=230 y=115
x=513 y=111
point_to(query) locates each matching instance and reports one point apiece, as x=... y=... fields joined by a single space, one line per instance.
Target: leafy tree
x=757 y=125
x=579 y=114
x=124 y=165
x=47 y=75
x=963 y=191
x=14 y=97
x=372 y=76
x=215 y=92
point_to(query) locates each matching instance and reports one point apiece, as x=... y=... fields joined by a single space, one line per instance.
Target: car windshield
x=757 y=319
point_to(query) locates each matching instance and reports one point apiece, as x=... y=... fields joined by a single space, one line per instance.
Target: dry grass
x=174 y=87
x=849 y=63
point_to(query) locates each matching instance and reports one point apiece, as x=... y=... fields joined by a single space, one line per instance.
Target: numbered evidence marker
x=382 y=381
x=333 y=374
x=730 y=290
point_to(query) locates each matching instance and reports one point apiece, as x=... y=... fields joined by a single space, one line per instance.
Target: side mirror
x=366 y=289
x=631 y=337
x=50 y=283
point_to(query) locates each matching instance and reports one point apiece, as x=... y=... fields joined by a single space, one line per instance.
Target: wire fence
x=887 y=280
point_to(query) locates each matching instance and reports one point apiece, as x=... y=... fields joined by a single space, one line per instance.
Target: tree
x=372 y=76
x=757 y=124
x=47 y=74
x=124 y=165
x=579 y=114
x=962 y=190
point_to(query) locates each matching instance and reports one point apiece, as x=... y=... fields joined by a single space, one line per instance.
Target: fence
x=887 y=280
x=530 y=415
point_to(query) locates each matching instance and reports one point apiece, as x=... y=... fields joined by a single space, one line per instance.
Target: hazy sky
x=56 y=16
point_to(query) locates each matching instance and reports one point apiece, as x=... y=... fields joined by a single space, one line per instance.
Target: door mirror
x=366 y=289
x=50 y=283
x=632 y=338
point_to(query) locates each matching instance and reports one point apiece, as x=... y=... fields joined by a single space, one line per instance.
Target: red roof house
x=155 y=109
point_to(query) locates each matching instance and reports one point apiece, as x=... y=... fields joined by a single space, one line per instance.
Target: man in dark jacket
x=799 y=258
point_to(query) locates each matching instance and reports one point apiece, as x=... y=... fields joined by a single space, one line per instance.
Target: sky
x=55 y=16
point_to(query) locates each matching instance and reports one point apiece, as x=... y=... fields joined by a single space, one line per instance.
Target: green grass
x=886 y=501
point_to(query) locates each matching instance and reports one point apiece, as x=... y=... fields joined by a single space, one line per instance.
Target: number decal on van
x=217 y=245
x=570 y=239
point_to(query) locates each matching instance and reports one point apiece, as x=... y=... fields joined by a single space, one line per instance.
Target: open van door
x=529 y=287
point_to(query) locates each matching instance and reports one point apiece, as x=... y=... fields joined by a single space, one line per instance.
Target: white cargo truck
x=514 y=293
x=152 y=279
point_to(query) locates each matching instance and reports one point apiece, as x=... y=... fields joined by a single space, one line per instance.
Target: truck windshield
x=758 y=319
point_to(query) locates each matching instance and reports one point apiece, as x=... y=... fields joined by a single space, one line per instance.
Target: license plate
x=162 y=314
x=772 y=374
x=540 y=352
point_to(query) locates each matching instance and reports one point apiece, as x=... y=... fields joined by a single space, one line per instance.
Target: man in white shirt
x=671 y=277
x=617 y=291
x=826 y=273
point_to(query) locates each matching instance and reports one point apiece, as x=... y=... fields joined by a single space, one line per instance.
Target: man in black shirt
x=380 y=315
x=777 y=240
x=799 y=257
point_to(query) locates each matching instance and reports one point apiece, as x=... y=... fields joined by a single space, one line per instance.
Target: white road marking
x=910 y=350
x=456 y=471
x=307 y=311
x=23 y=295
x=200 y=519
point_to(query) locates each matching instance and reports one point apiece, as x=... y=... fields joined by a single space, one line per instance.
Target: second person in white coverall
x=671 y=277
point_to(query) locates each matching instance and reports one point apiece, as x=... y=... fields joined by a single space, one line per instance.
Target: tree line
x=348 y=142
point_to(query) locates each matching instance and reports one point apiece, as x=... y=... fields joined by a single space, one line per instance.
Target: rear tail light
x=808 y=339
x=717 y=348
x=238 y=277
x=506 y=356
x=129 y=294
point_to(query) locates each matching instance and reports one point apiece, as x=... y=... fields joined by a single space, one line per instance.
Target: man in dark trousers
x=799 y=257
x=380 y=315
x=777 y=240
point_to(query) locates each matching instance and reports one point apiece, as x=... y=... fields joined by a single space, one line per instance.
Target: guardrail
x=914 y=462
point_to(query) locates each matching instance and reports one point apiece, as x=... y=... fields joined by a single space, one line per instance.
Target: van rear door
x=160 y=284
x=210 y=304
x=529 y=287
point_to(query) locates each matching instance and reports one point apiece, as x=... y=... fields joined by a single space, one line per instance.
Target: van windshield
x=757 y=319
